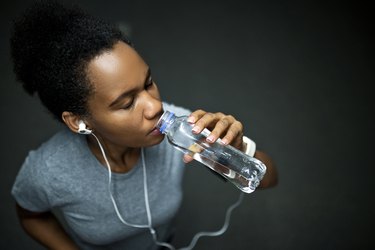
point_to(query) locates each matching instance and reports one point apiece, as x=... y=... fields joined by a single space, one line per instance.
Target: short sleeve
x=30 y=188
x=179 y=111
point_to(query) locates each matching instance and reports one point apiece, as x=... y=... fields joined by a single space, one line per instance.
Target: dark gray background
x=298 y=74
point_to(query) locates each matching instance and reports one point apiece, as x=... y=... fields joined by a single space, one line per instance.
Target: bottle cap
x=164 y=121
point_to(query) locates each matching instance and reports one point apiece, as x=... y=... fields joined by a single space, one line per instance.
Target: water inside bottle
x=246 y=182
x=243 y=171
x=247 y=185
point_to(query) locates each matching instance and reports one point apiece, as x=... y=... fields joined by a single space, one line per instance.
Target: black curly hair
x=51 y=45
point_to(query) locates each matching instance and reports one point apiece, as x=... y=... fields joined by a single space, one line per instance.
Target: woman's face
x=125 y=105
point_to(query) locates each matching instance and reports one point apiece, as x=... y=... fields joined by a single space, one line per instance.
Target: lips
x=155 y=131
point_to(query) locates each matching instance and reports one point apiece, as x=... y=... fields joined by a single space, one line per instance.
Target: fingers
x=208 y=120
x=187 y=158
x=234 y=135
x=193 y=117
x=202 y=120
x=221 y=126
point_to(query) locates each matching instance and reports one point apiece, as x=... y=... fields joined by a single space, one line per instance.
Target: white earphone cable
x=110 y=189
x=148 y=211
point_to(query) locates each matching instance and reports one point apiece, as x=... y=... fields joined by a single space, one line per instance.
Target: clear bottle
x=244 y=171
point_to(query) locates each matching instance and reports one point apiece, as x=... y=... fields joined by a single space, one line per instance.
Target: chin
x=157 y=140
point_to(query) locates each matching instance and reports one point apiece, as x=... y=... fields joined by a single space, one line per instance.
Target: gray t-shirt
x=63 y=175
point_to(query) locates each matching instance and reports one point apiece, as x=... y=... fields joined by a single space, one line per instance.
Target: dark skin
x=124 y=109
x=46 y=229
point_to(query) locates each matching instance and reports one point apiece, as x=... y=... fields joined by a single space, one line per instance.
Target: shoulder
x=45 y=169
x=59 y=145
x=179 y=111
x=46 y=159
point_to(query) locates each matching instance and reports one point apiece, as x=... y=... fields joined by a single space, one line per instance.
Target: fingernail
x=191 y=119
x=224 y=141
x=196 y=129
x=210 y=138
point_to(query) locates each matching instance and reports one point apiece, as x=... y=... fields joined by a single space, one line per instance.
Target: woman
x=88 y=75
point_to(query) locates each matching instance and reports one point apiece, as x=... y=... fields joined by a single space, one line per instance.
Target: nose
x=152 y=106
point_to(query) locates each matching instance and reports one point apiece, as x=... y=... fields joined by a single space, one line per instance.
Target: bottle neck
x=165 y=122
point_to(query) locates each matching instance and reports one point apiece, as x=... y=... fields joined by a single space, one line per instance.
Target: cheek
x=156 y=93
x=109 y=123
x=121 y=122
x=120 y=131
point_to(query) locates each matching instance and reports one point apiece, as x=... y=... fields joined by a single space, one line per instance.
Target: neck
x=121 y=159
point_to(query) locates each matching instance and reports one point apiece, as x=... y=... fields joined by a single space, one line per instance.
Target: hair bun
x=40 y=27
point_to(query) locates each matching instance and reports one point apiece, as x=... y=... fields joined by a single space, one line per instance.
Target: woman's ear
x=71 y=120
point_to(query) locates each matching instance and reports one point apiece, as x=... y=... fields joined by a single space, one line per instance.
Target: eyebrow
x=131 y=91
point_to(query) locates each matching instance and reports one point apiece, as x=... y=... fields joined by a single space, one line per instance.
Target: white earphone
x=82 y=128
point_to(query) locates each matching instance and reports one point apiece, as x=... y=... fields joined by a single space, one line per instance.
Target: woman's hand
x=221 y=126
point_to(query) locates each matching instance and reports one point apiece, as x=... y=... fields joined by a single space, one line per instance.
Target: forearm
x=270 y=179
x=45 y=229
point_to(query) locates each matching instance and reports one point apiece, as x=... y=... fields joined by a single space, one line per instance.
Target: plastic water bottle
x=244 y=171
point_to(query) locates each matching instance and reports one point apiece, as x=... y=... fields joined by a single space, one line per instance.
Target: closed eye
x=129 y=104
x=149 y=83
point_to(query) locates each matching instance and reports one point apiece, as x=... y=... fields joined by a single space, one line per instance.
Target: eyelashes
x=148 y=85
x=129 y=105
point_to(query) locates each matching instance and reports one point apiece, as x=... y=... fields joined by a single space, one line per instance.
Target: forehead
x=116 y=68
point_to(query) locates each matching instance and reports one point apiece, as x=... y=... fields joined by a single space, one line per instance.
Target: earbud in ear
x=82 y=128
